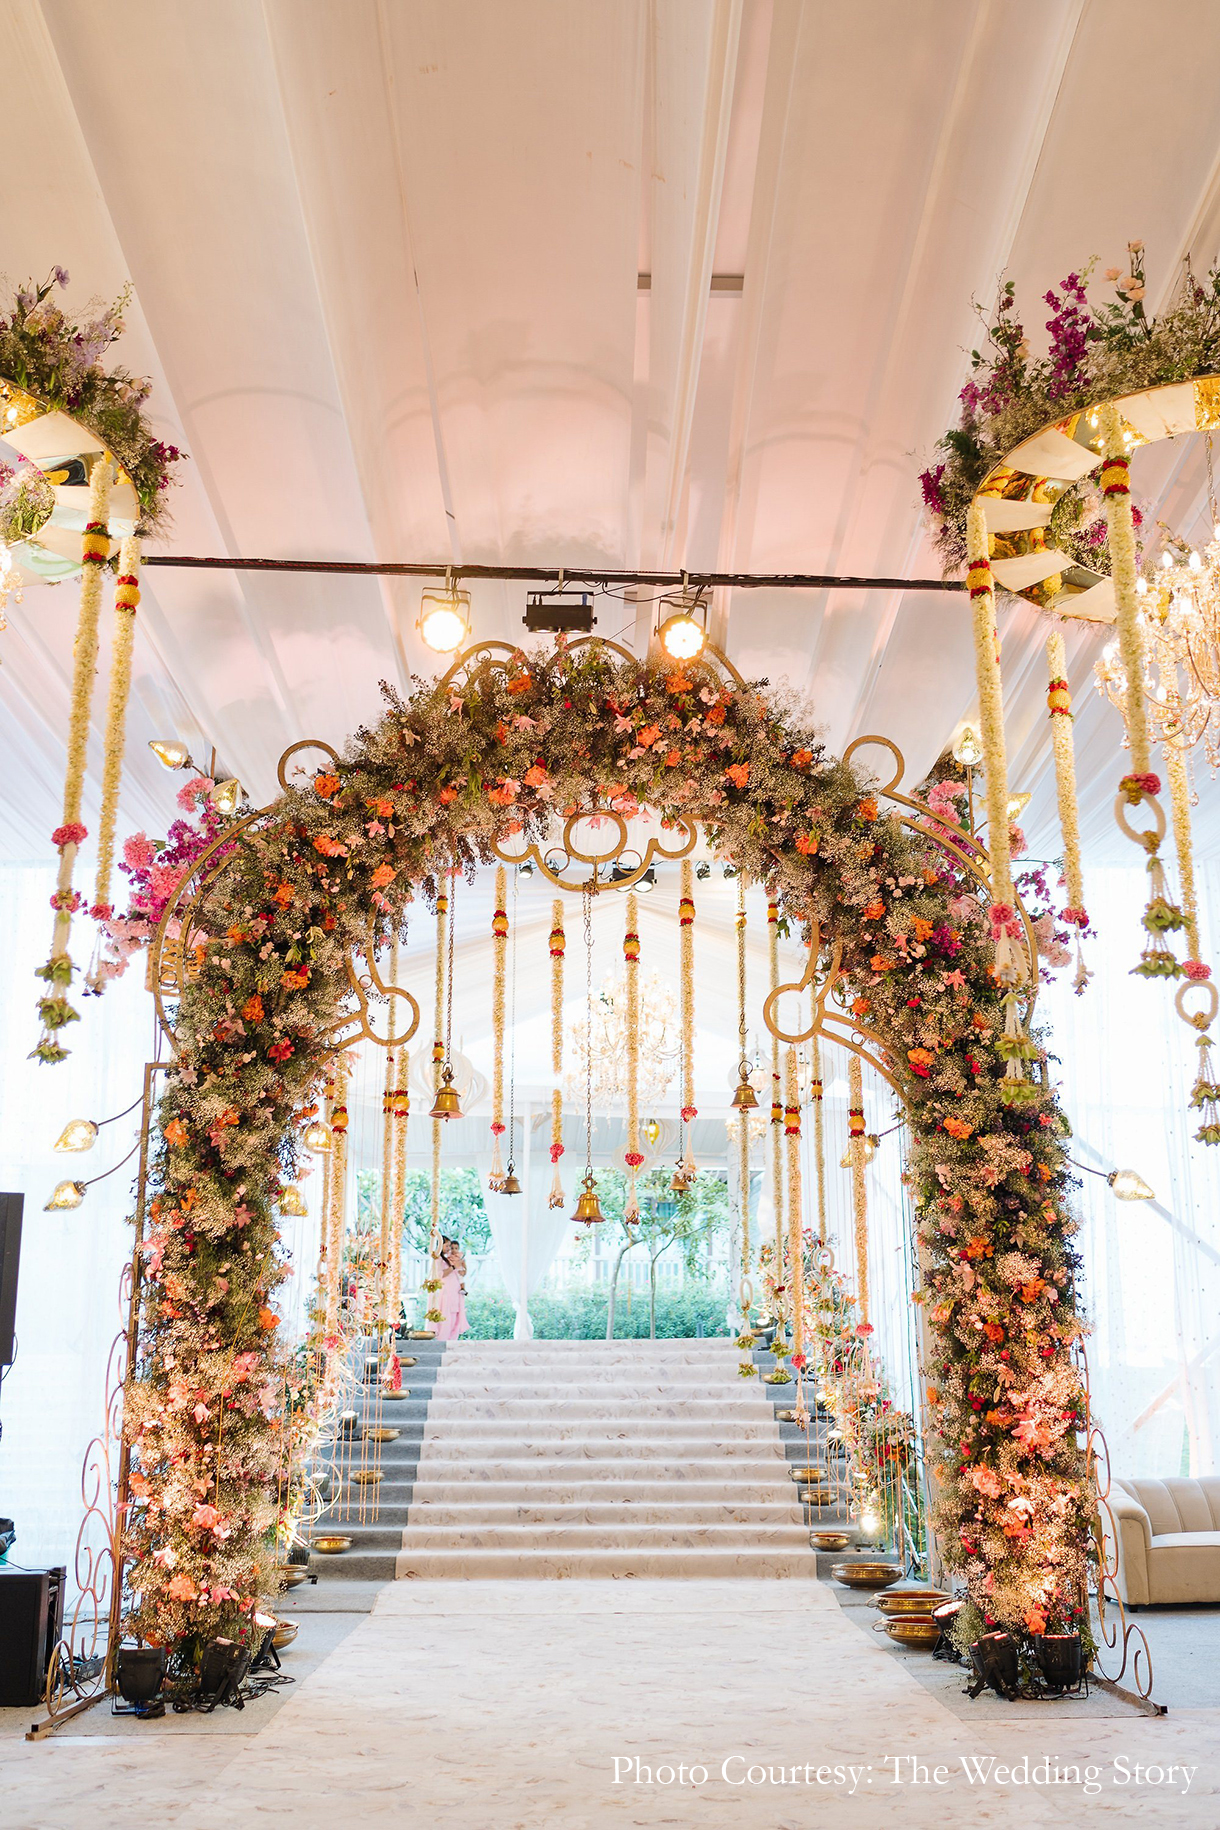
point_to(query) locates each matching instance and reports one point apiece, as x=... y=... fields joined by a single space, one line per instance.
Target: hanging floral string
x=1009 y=960
x=499 y=932
x=819 y=1134
x=776 y=1134
x=686 y=943
x=1059 y=707
x=633 y=1156
x=792 y=1135
x=1205 y=1093
x=126 y=602
x=387 y=1183
x=743 y=1117
x=54 y=1010
x=859 y=1186
x=336 y=1195
x=558 y=945
x=432 y=1283
x=402 y=1115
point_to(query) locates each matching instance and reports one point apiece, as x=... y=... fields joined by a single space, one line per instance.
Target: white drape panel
x=51 y=1403
x=1151 y=1271
x=526 y=1219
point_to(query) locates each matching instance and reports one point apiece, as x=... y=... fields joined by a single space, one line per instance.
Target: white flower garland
x=499 y=931
x=1174 y=751
x=558 y=946
x=438 y=1059
x=1116 y=495
x=1009 y=955
x=776 y=1133
x=686 y=945
x=631 y=958
x=819 y=1134
x=859 y=1186
x=1059 y=708
x=402 y=1115
x=126 y=602
x=337 y=1195
x=792 y=1134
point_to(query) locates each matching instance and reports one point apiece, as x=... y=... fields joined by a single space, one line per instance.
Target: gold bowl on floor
x=366 y=1477
x=422 y=1334
x=867 y=1575
x=394 y=1396
x=380 y=1432
x=829 y=1540
x=785 y=1416
x=284 y=1632
x=290 y=1574
x=910 y=1601
x=919 y=1631
x=807 y=1476
x=331 y=1543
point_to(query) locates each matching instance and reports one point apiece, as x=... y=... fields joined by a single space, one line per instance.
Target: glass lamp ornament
x=292 y=1202
x=169 y=752
x=1129 y=1185
x=967 y=748
x=225 y=797
x=318 y=1136
x=444 y=619
x=65 y=1195
x=871 y=1141
x=77 y=1135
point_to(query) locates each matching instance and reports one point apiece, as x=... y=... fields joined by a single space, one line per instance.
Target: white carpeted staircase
x=590 y=1458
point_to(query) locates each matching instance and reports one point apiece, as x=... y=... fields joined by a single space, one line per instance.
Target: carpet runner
x=600 y=1459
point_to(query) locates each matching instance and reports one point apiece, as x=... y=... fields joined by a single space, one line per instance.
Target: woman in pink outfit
x=453 y=1292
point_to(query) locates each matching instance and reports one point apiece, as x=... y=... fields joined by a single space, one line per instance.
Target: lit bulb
x=1141 y=586
x=225 y=796
x=80 y=1134
x=1109 y=653
x=870 y=1524
x=67 y=1194
x=318 y=1137
x=1195 y=563
x=292 y=1202
x=967 y=749
x=1216 y=531
x=1129 y=1185
x=444 y=622
x=1017 y=803
x=172 y=755
x=1166 y=560
x=681 y=636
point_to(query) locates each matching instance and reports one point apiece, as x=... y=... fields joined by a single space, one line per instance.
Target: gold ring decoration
x=304 y=743
x=745 y=1294
x=1198 y=1019
x=1151 y=839
x=556 y=860
x=1019 y=494
x=65 y=454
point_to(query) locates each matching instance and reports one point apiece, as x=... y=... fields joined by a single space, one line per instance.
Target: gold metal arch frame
x=1019 y=494
x=826 y=979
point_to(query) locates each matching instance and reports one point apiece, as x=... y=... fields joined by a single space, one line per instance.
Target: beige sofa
x=1168 y=1539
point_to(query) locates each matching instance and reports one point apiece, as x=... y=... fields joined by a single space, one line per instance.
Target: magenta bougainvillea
x=444 y=773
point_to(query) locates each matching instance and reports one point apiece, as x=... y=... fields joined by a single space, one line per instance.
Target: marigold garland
x=686 y=947
x=819 y=1134
x=792 y=1135
x=54 y=1009
x=1009 y=962
x=499 y=944
x=438 y=1062
x=859 y=1186
x=558 y=946
x=126 y=602
x=382 y=1280
x=991 y=1193
x=402 y=1115
x=335 y=1171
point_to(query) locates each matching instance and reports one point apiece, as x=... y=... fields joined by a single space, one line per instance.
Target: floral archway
x=491 y=752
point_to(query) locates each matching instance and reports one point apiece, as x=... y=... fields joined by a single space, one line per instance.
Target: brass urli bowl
x=918 y=1631
x=909 y=1601
x=808 y=1477
x=331 y=1543
x=421 y=1334
x=867 y=1575
x=284 y=1632
x=380 y=1432
x=290 y=1574
x=829 y=1540
x=394 y=1397
x=366 y=1477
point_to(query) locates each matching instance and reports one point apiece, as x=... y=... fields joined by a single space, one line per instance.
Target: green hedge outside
x=581 y=1316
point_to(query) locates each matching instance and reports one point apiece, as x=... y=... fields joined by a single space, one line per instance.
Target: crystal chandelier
x=1180 y=619
x=602 y=1039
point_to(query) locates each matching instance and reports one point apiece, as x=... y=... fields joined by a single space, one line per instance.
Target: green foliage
x=463 y=1215
x=580 y=1315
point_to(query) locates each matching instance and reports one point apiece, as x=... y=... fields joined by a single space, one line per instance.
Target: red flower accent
x=70 y=833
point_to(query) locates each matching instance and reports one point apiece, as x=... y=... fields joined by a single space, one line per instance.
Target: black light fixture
x=559 y=612
x=1060 y=1659
x=703 y=870
x=646 y=883
x=994 y=1657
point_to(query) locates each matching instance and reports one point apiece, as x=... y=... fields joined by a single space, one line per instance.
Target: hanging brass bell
x=745 y=1099
x=588 y=1207
x=510 y=1184
x=447 y=1104
x=681 y=1181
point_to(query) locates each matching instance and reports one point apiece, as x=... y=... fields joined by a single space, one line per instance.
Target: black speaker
x=10 y=1252
x=31 y=1622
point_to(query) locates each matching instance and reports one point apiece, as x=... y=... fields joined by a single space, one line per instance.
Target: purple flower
x=929 y=483
x=60 y=274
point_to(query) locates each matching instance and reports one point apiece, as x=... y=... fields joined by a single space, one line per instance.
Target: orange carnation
x=326 y=785
x=268 y=1319
x=252 y=1009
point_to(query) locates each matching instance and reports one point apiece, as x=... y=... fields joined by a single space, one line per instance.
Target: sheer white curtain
x=525 y=1231
x=1151 y=1269
x=51 y=1403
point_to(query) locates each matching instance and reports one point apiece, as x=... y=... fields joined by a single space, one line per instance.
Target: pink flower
x=139 y=851
x=196 y=789
x=205 y=1517
x=69 y=834
x=181 y=1588
x=1195 y=969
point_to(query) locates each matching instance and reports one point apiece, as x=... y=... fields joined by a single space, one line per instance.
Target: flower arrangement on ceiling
x=468 y=763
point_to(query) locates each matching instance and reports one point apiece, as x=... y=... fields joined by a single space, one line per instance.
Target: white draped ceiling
x=385 y=262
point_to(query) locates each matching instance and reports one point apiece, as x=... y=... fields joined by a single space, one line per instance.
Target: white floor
x=464 y=1705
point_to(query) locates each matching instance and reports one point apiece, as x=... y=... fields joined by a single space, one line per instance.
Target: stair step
x=483 y=1565
x=605 y=1537
x=602 y=1512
